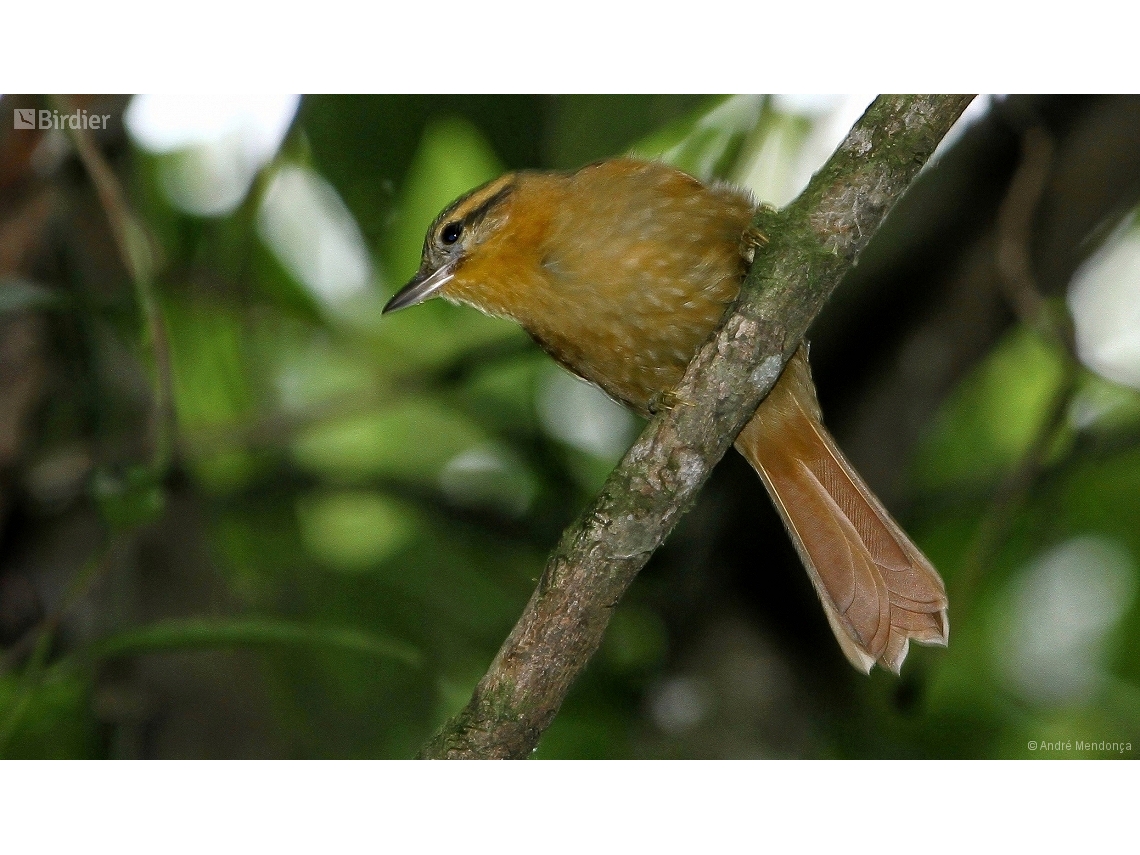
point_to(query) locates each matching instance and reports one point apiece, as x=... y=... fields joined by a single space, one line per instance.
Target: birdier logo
x=29 y=119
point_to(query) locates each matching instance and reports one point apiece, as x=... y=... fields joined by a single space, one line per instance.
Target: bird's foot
x=667 y=401
x=752 y=240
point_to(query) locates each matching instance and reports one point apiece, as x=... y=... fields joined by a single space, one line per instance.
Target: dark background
x=354 y=509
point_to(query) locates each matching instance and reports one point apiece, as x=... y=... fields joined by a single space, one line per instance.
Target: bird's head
x=463 y=230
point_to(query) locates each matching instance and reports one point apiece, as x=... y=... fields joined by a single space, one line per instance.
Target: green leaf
x=412 y=438
x=213 y=374
x=453 y=158
x=128 y=499
x=993 y=416
x=215 y=633
x=49 y=721
x=354 y=529
x=583 y=128
x=706 y=144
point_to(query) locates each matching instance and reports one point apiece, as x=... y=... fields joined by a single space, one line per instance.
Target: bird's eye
x=451 y=233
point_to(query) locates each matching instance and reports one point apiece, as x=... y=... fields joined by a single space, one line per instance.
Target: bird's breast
x=632 y=325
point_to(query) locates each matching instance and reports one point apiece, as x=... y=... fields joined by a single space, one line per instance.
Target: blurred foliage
x=366 y=502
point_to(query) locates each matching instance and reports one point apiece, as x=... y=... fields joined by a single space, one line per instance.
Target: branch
x=1016 y=217
x=812 y=244
x=134 y=246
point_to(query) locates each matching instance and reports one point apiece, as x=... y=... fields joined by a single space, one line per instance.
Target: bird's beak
x=422 y=287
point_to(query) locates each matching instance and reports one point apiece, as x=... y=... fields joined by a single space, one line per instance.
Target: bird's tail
x=878 y=590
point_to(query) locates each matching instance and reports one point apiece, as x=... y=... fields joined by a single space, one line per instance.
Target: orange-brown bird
x=620 y=271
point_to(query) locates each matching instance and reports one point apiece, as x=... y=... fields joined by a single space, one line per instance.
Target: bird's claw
x=752 y=240
x=667 y=401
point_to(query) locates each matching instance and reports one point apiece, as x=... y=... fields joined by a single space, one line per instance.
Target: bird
x=620 y=270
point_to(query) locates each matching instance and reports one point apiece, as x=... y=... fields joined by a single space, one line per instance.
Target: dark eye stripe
x=476 y=216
